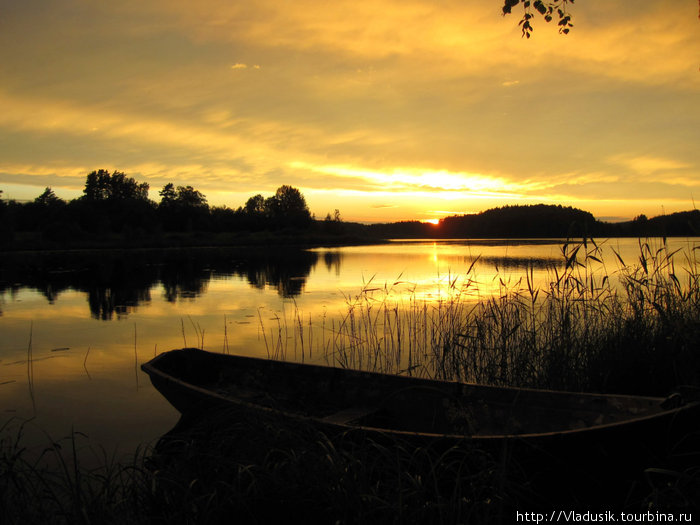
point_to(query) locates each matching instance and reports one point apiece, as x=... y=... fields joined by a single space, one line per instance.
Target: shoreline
x=33 y=244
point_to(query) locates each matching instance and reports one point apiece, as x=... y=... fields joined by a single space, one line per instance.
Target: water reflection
x=261 y=303
x=116 y=283
x=286 y=272
x=517 y=263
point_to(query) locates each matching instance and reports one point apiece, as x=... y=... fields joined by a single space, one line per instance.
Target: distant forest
x=542 y=221
x=115 y=209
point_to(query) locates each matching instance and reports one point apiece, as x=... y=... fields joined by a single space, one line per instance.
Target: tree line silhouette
x=541 y=221
x=113 y=203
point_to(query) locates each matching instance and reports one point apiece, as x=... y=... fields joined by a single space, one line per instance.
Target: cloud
x=417 y=180
x=650 y=42
x=649 y=165
x=439 y=103
x=238 y=65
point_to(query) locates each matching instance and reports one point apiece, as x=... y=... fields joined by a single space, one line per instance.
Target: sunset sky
x=387 y=110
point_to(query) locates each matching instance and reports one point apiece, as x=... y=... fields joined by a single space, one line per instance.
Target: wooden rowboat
x=195 y=381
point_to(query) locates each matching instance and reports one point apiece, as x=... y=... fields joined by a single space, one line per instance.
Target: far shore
x=34 y=243
x=30 y=242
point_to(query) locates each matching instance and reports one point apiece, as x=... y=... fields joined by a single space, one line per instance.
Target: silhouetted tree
x=288 y=208
x=184 y=197
x=254 y=213
x=116 y=203
x=100 y=185
x=547 y=9
x=184 y=208
x=49 y=198
x=96 y=185
x=255 y=205
x=188 y=197
x=168 y=195
x=333 y=224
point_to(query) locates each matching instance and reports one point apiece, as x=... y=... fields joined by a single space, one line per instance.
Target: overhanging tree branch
x=547 y=9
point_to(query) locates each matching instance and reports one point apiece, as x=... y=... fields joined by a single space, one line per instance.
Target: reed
x=225 y=347
x=53 y=484
x=30 y=367
x=260 y=472
x=264 y=471
x=635 y=329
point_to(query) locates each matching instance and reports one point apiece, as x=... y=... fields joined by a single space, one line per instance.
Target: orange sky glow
x=386 y=110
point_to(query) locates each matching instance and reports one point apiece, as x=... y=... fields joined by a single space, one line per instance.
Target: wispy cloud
x=649 y=165
x=239 y=65
x=415 y=179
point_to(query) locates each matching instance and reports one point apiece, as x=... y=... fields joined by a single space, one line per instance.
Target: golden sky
x=387 y=110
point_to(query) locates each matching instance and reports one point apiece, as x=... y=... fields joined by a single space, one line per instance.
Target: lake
x=76 y=326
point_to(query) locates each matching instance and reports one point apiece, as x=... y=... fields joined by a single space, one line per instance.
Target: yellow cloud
x=239 y=65
x=647 y=164
x=411 y=98
x=654 y=43
x=63 y=117
x=421 y=181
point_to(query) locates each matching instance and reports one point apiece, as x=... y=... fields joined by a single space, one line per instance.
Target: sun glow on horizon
x=418 y=179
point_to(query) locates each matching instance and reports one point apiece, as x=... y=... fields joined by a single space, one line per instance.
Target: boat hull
x=526 y=422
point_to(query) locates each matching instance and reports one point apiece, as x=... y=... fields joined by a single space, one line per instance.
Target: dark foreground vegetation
x=115 y=211
x=583 y=333
x=262 y=472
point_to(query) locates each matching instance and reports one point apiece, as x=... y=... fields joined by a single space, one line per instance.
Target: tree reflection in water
x=117 y=282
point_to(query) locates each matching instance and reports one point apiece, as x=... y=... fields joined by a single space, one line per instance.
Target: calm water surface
x=75 y=327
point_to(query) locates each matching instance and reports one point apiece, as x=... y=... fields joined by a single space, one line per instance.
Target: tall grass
x=635 y=329
x=55 y=485
x=258 y=472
